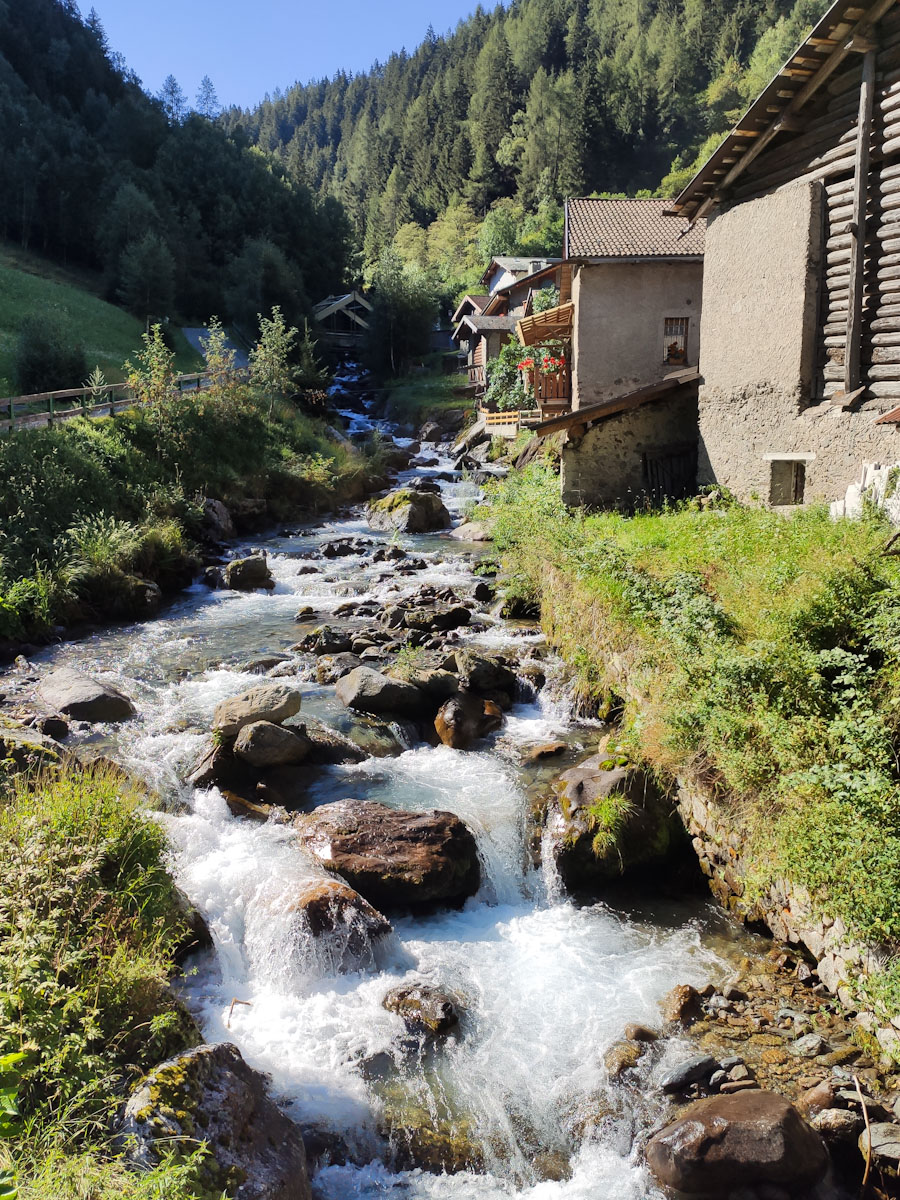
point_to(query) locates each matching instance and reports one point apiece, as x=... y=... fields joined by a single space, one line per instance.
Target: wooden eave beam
x=865 y=20
x=619 y=404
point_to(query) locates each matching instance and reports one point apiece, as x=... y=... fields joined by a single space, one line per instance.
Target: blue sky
x=248 y=49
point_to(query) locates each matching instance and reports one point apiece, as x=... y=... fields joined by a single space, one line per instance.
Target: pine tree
x=173 y=100
x=207 y=101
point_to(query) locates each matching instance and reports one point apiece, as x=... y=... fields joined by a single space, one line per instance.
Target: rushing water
x=545 y=985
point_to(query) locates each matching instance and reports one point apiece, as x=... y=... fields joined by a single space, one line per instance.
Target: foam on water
x=545 y=985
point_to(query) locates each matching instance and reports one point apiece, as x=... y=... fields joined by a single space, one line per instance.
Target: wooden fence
x=46 y=408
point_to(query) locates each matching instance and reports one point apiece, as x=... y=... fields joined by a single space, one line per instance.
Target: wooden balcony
x=478 y=377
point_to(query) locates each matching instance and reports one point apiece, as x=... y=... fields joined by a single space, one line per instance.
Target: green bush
x=48 y=355
x=767 y=655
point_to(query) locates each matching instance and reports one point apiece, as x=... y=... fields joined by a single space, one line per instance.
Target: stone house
x=800 y=338
x=634 y=321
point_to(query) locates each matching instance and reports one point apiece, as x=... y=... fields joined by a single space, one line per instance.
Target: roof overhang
x=553 y=324
x=779 y=107
x=664 y=389
x=609 y=259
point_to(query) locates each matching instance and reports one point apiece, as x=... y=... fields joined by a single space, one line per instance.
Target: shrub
x=48 y=355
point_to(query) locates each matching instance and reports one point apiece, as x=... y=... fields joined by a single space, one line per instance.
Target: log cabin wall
x=825 y=150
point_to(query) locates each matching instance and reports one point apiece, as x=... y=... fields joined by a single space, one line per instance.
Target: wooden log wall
x=825 y=150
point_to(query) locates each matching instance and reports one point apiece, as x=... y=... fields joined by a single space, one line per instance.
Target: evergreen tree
x=173 y=100
x=207 y=101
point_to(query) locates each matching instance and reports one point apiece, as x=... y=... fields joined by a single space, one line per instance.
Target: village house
x=633 y=322
x=484 y=324
x=342 y=322
x=800 y=340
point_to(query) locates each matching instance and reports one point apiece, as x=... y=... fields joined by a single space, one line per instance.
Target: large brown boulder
x=465 y=718
x=738 y=1141
x=408 y=512
x=395 y=859
x=370 y=691
x=248 y=574
x=602 y=823
x=263 y=744
x=67 y=691
x=209 y=1094
x=345 y=926
x=273 y=702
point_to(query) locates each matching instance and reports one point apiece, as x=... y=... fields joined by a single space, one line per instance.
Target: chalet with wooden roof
x=634 y=324
x=506 y=269
x=800 y=351
x=342 y=322
x=480 y=335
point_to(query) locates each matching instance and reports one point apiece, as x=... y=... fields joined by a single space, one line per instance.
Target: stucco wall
x=605 y=469
x=760 y=310
x=740 y=426
x=760 y=300
x=620 y=310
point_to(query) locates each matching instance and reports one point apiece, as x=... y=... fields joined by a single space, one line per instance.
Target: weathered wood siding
x=825 y=150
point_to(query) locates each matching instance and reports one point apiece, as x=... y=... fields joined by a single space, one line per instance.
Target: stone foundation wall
x=785 y=908
x=742 y=429
x=606 y=467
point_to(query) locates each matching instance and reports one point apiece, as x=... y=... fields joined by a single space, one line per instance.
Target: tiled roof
x=629 y=229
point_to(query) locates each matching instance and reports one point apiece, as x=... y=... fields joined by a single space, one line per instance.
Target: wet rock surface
x=395 y=859
x=76 y=695
x=423 y=1008
x=408 y=511
x=727 y=1143
x=349 y=927
x=248 y=574
x=210 y=1094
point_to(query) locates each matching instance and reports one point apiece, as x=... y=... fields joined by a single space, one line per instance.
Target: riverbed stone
x=408 y=511
x=395 y=859
x=26 y=748
x=621 y=1057
x=423 y=1007
x=838 y=1126
x=484 y=674
x=465 y=718
x=682 y=1005
x=248 y=574
x=273 y=702
x=370 y=691
x=211 y=1094
x=472 y=531
x=332 y=667
x=217 y=522
x=264 y=744
x=344 y=922
x=640 y=829
x=695 y=1069
x=884 y=1138
x=745 y=1140
x=77 y=695
x=328 y=746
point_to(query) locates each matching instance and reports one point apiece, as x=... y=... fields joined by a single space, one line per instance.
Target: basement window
x=787 y=481
x=675 y=338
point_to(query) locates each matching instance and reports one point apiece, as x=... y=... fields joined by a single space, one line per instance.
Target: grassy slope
x=109 y=335
x=766 y=655
x=419 y=398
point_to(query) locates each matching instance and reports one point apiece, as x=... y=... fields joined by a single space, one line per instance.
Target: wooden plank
x=857 y=248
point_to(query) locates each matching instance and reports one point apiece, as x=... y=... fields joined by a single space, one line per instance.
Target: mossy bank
x=91 y=511
x=753 y=664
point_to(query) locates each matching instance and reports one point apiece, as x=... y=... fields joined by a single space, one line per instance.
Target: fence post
x=12 y=417
x=51 y=409
x=84 y=397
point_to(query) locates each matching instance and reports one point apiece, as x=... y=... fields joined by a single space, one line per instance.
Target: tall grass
x=87 y=503
x=89 y=926
x=761 y=653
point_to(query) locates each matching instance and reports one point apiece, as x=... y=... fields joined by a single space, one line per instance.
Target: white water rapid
x=545 y=984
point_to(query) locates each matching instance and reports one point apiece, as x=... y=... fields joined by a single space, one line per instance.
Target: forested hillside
x=178 y=216
x=529 y=103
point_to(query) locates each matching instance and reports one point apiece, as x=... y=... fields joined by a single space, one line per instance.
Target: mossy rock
x=209 y=1094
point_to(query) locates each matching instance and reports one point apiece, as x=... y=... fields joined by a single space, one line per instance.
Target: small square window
x=675 y=340
x=787 y=482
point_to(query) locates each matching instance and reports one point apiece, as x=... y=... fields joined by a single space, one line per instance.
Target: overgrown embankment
x=93 y=509
x=90 y=926
x=756 y=655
